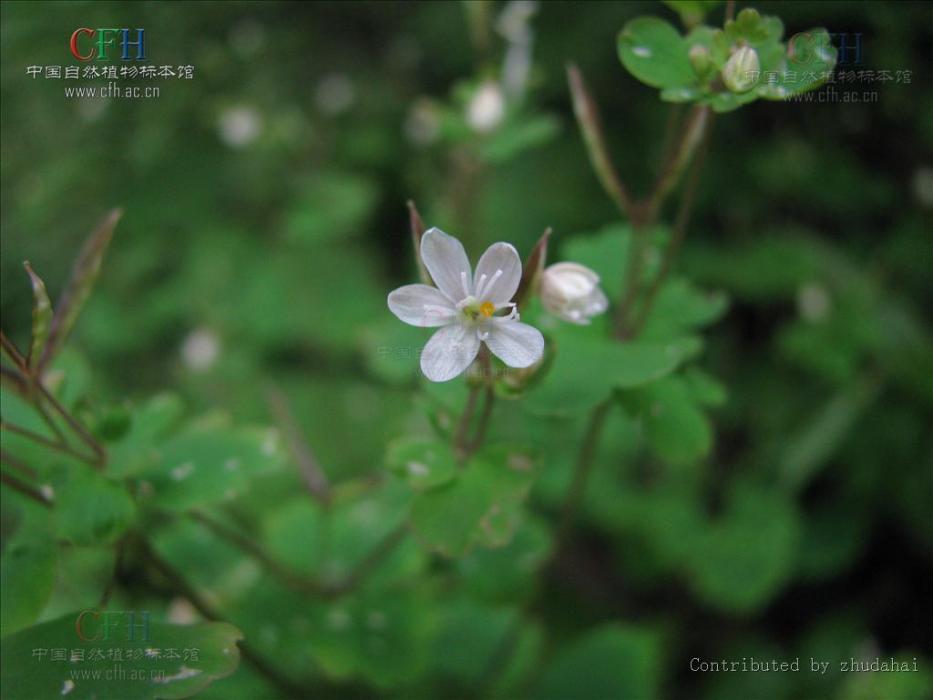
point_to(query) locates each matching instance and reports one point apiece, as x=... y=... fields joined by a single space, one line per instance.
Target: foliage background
x=814 y=220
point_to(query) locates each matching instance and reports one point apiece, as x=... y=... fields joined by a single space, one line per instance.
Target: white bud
x=487 y=108
x=741 y=70
x=571 y=291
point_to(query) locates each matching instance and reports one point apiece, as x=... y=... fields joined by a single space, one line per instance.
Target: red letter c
x=74 y=43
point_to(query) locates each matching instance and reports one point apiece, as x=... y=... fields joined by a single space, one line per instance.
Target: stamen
x=487 y=287
x=487 y=308
x=463 y=282
x=478 y=292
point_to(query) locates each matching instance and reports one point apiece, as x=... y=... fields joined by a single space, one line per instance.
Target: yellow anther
x=487 y=308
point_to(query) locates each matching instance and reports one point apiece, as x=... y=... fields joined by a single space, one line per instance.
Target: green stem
x=582 y=469
x=286 y=686
x=587 y=114
x=25 y=489
x=42 y=440
x=289 y=578
x=74 y=424
x=677 y=239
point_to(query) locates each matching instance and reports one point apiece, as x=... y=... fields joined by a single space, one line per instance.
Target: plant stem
x=59 y=445
x=311 y=472
x=587 y=113
x=582 y=469
x=74 y=424
x=19 y=465
x=677 y=238
x=691 y=136
x=289 y=578
x=286 y=686
x=371 y=561
x=9 y=347
x=25 y=489
x=483 y=426
x=463 y=426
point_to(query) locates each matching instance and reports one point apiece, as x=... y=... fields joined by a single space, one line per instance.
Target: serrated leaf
x=212 y=653
x=81 y=283
x=655 y=53
x=41 y=316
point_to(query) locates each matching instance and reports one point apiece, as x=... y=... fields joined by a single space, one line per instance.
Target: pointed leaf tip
x=83 y=276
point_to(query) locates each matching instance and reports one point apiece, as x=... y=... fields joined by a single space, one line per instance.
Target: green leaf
x=137 y=449
x=655 y=53
x=692 y=11
x=517 y=136
x=421 y=462
x=745 y=557
x=586 y=370
x=89 y=508
x=507 y=573
x=472 y=634
x=681 y=308
x=478 y=506
x=810 y=60
x=79 y=287
x=676 y=427
x=204 y=653
x=334 y=205
x=805 y=452
x=41 y=316
x=605 y=252
x=208 y=465
x=27 y=577
x=706 y=389
x=611 y=661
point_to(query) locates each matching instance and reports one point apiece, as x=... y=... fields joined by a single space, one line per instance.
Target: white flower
x=571 y=291
x=487 y=107
x=465 y=308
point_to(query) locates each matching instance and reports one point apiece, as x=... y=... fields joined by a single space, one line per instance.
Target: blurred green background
x=265 y=222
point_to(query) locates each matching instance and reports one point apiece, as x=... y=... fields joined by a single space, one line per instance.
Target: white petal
x=447 y=262
x=421 y=305
x=499 y=288
x=449 y=351
x=516 y=344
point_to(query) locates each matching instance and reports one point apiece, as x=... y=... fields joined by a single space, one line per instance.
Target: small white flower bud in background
x=240 y=126
x=571 y=291
x=813 y=302
x=335 y=94
x=200 y=349
x=741 y=70
x=487 y=107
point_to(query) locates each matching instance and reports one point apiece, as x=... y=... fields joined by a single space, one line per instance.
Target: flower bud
x=700 y=60
x=741 y=70
x=487 y=108
x=571 y=292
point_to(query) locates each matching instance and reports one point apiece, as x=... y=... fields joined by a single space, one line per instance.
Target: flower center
x=475 y=311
